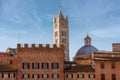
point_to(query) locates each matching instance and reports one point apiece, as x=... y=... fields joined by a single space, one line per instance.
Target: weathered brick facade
x=111 y=65
x=40 y=54
x=105 y=65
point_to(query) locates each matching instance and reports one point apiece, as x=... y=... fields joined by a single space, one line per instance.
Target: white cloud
x=111 y=32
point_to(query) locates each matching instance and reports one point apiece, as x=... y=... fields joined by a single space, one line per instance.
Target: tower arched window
x=63 y=33
x=56 y=34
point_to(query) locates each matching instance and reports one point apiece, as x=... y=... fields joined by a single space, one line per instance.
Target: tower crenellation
x=39 y=46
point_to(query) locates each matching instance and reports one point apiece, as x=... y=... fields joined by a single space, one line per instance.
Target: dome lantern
x=87 y=40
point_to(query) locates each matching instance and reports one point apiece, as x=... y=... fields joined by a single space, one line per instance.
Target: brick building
x=51 y=62
x=40 y=61
x=8 y=67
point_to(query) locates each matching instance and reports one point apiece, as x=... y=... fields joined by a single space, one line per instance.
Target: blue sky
x=33 y=19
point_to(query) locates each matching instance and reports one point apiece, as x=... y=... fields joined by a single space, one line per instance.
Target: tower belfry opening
x=61 y=33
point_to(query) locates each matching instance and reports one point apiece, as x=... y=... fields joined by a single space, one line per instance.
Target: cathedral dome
x=87 y=49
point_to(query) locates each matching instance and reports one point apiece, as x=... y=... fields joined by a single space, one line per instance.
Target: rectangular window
x=45 y=76
x=25 y=75
x=11 y=75
x=35 y=76
x=25 y=65
x=1 y=75
x=80 y=75
x=113 y=77
x=91 y=76
x=11 y=61
x=55 y=65
x=55 y=76
x=45 y=66
x=113 y=65
x=102 y=65
x=35 y=65
x=69 y=75
x=102 y=76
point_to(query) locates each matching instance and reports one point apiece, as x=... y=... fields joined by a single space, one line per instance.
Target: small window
x=102 y=76
x=69 y=75
x=35 y=76
x=45 y=76
x=80 y=75
x=1 y=75
x=55 y=76
x=25 y=65
x=91 y=76
x=55 y=65
x=113 y=65
x=113 y=77
x=63 y=33
x=35 y=65
x=44 y=65
x=25 y=75
x=11 y=75
x=102 y=65
x=11 y=61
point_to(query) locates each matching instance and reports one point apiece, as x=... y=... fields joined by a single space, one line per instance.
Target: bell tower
x=61 y=33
